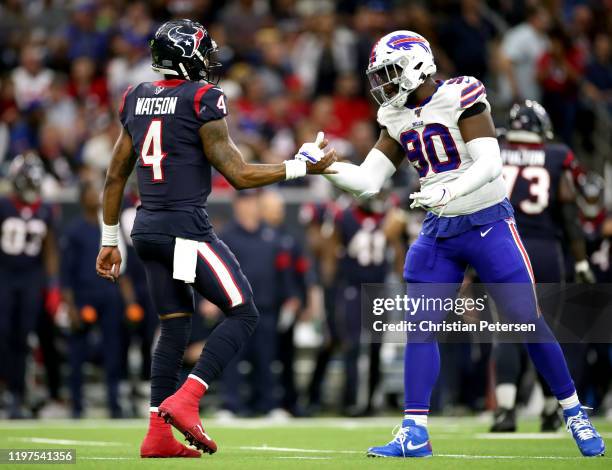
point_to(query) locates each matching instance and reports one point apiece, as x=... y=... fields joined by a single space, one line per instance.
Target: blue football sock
x=421 y=369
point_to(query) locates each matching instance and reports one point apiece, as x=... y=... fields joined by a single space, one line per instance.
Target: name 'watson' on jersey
x=429 y=133
x=174 y=177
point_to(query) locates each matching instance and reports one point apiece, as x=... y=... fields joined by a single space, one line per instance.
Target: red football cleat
x=160 y=442
x=181 y=410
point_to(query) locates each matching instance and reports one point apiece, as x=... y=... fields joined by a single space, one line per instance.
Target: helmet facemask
x=393 y=81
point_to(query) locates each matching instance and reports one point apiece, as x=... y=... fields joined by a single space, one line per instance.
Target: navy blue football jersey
x=533 y=174
x=23 y=229
x=174 y=177
x=365 y=246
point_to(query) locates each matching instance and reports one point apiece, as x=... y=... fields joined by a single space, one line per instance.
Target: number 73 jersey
x=429 y=134
x=533 y=175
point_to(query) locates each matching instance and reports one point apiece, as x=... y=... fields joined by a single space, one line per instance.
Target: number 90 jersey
x=174 y=177
x=429 y=134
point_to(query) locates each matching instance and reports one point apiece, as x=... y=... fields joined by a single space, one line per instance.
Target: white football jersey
x=430 y=136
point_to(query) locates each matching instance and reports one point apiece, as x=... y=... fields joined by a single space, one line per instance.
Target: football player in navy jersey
x=174 y=130
x=360 y=252
x=539 y=178
x=29 y=266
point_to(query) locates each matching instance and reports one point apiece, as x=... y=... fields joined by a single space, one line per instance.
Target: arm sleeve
x=209 y=103
x=486 y=167
x=365 y=180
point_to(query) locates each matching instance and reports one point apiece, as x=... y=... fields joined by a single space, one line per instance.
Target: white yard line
x=292 y=449
x=527 y=435
x=67 y=442
x=453 y=456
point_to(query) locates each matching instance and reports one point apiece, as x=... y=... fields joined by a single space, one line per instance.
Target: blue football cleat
x=587 y=438
x=410 y=441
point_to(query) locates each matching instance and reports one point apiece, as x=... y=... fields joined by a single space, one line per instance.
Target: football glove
x=436 y=196
x=583 y=273
x=310 y=152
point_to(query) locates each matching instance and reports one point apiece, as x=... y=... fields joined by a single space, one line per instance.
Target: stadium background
x=290 y=68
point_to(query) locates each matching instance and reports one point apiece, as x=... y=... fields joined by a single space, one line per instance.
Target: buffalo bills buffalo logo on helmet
x=187 y=42
x=404 y=42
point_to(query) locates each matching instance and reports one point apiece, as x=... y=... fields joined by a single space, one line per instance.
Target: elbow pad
x=365 y=180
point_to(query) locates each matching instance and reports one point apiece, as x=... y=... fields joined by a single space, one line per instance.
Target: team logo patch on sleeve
x=187 y=42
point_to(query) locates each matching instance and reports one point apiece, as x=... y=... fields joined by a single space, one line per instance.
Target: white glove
x=310 y=151
x=583 y=273
x=437 y=196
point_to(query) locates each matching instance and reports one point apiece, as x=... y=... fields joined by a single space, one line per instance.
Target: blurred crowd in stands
x=290 y=69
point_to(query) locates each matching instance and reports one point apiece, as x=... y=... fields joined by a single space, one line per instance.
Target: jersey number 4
x=414 y=142
x=151 y=152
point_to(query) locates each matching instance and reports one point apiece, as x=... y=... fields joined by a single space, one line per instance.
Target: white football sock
x=570 y=402
x=419 y=420
x=505 y=394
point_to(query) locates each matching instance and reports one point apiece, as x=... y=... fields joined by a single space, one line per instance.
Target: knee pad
x=247 y=312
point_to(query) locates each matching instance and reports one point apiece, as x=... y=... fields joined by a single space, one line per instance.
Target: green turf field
x=307 y=443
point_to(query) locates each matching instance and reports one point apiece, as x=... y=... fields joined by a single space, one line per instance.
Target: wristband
x=294 y=169
x=110 y=235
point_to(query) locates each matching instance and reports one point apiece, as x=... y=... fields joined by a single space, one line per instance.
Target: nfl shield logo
x=159 y=89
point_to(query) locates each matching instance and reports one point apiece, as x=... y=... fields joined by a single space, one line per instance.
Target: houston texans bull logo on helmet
x=187 y=42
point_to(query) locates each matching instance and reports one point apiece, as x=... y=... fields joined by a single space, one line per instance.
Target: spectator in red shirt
x=88 y=88
x=349 y=105
x=559 y=72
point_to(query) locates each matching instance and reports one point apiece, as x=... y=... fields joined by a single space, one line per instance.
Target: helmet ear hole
x=418 y=66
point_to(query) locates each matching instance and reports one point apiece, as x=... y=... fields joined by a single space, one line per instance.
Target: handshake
x=317 y=160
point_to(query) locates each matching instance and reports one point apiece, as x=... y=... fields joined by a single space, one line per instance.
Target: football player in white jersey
x=445 y=130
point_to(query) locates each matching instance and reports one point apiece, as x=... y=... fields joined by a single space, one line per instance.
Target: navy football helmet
x=529 y=122
x=184 y=48
x=26 y=173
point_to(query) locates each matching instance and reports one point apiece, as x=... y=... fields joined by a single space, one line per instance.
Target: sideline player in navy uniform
x=28 y=266
x=174 y=130
x=540 y=186
x=359 y=252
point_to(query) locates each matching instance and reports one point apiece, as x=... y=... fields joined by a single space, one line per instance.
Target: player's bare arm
x=50 y=255
x=223 y=154
x=572 y=229
x=121 y=166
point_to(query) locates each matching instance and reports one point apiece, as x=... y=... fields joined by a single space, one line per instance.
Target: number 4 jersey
x=174 y=177
x=533 y=173
x=429 y=133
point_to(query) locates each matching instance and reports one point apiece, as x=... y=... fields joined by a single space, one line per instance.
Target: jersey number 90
x=413 y=143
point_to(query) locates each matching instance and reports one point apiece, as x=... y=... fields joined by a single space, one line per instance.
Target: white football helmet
x=399 y=63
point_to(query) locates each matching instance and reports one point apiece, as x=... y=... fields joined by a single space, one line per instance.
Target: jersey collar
x=172 y=83
x=439 y=83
